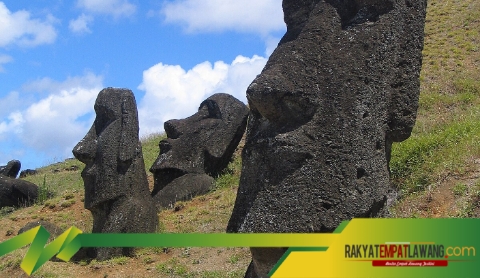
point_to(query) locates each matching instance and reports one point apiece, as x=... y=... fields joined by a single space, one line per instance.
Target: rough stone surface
x=183 y=188
x=116 y=186
x=16 y=192
x=11 y=169
x=342 y=85
x=201 y=145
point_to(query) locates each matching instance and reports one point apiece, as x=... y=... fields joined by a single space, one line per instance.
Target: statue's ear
x=129 y=131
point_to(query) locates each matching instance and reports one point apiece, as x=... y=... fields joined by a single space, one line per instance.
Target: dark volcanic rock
x=183 y=188
x=116 y=186
x=201 y=145
x=11 y=169
x=16 y=192
x=27 y=172
x=342 y=85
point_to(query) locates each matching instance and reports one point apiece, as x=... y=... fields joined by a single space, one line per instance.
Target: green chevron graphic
x=65 y=246
x=68 y=243
x=309 y=246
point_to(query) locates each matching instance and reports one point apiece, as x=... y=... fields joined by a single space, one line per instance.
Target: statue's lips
x=88 y=171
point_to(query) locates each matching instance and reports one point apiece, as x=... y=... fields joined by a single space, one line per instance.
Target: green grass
x=54 y=180
x=230 y=176
x=427 y=156
x=174 y=268
x=460 y=189
x=150 y=148
x=444 y=141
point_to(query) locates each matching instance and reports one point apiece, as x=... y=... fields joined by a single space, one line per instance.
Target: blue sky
x=55 y=56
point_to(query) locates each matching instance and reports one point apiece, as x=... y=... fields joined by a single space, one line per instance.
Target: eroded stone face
x=342 y=85
x=197 y=148
x=116 y=186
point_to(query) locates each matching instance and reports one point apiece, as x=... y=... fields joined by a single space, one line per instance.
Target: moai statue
x=342 y=85
x=197 y=149
x=15 y=192
x=116 y=186
x=11 y=169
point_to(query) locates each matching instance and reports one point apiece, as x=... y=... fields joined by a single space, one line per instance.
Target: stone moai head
x=202 y=143
x=116 y=186
x=342 y=85
x=110 y=147
x=11 y=169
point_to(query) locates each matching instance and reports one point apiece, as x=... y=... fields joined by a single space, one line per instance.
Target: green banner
x=358 y=248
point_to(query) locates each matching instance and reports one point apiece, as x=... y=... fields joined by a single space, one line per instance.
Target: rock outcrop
x=17 y=192
x=342 y=85
x=27 y=172
x=197 y=149
x=116 y=186
x=11 y=169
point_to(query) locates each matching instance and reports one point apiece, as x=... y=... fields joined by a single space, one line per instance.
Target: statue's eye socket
x=211 y=108
x=103 y=119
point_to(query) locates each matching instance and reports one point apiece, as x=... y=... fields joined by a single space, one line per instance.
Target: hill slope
x=438 y=167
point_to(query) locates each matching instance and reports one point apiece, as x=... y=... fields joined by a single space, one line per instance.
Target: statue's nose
x=85 y=150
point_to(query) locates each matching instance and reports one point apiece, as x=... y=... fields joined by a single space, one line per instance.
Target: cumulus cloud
x=80 y=25
x=55 y=123
x=48 y=85
x=116 y=8
x=253 y=16
x=20 y=29
x=4 y=59
x=172 y=92
x=52 y=125
x=12 y=124
x=9 y=103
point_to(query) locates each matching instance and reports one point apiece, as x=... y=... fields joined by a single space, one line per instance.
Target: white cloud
x=19 y=28
x=253 y=16
x=11 y=102
x=116 y=8
x=51 y=124
x=48 y=85
x=271 y=43
x=4 y=59
x=80 y=25
x=13 y=124
x=173 y=93
x=54 y=124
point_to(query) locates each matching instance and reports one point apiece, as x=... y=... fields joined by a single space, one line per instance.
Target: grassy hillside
x=444 y=149
x=437 y=170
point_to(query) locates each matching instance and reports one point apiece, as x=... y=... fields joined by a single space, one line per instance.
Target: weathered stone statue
x=17 y=192
x=116 y=186
x=11 y=169
x=197 y=149
x=342 y=85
